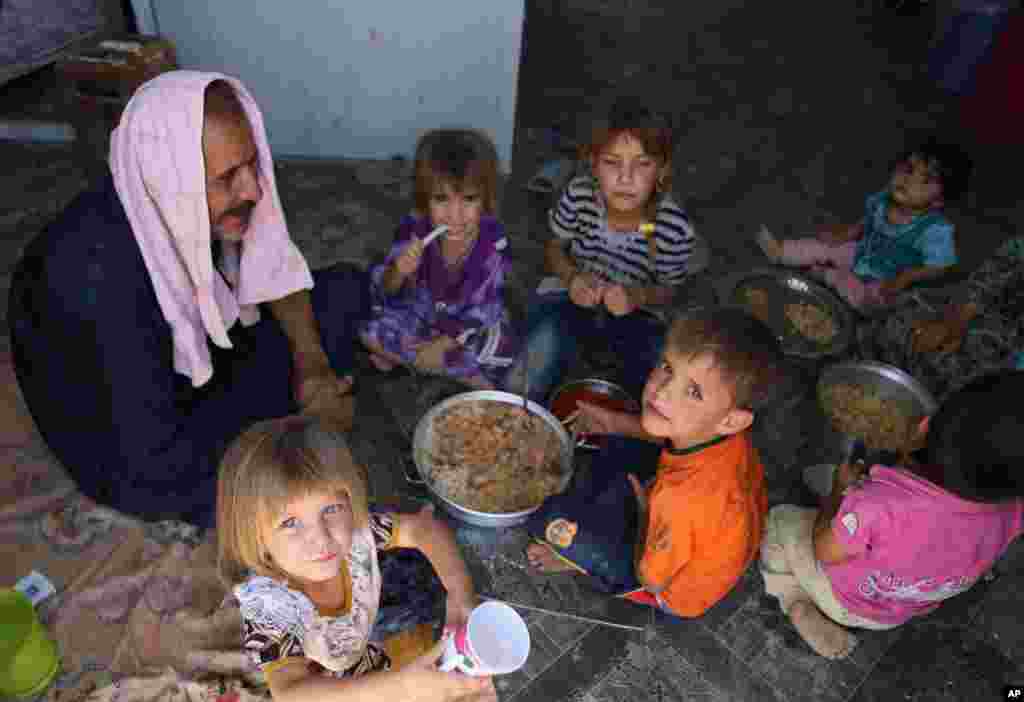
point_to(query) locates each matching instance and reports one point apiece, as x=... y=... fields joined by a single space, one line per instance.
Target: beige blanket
x=138 y=615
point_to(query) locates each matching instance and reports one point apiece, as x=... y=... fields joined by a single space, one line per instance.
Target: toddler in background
x=620 y=243
x=903 y=238
x=326 y=610
x=892 y=542
x=441 y=307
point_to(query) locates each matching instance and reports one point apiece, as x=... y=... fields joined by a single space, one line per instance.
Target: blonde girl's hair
x=459 y=158
x=267 y=466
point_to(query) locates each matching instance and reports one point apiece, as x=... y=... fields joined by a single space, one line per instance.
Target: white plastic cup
x=493 y=641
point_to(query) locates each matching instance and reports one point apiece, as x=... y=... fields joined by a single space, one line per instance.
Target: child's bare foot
x=382 y=364
x=771 y=246
x=827 y=638
x=784 y=587
x=543 y=558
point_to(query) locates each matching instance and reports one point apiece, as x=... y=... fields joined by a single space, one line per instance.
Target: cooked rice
x=492 y=457
x=860 y=411
x=811 y=321
x=757 y=302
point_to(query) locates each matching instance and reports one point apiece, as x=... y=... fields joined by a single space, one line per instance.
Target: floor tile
x=564 y=631
x=696 y=644
x=939 y=663
x=805 y=675
x=583 y=666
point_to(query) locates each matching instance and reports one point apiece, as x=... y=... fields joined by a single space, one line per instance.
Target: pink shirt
x=914 y=543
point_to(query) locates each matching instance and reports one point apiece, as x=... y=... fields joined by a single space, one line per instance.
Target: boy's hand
x=621 y=300
x=409 y=260
x=586 y=290
x=642 y=494
x=430 y=354
x=594 y=419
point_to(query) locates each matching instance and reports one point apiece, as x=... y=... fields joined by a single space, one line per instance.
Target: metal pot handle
x=412 y=474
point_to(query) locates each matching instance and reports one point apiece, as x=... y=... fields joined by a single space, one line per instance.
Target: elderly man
x=113 y=307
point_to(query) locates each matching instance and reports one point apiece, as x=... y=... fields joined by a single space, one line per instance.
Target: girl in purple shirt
x=440 y=307
x=891 y=543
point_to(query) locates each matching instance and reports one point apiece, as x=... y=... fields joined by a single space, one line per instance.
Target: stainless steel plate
x=783 y=286
x=423 y=443
x=600 y=387
x=892 y=385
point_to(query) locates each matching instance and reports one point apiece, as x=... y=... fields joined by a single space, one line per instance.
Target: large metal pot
x=423 y=444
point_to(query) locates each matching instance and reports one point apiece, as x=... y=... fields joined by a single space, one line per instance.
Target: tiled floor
x=783 y=122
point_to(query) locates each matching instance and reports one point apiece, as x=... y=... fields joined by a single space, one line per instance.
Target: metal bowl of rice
x=504 y=468
x=875 y=401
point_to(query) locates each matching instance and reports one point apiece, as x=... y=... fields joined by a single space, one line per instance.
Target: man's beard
x=243 y=212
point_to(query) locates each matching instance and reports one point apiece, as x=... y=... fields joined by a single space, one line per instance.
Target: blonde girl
x=319 y=587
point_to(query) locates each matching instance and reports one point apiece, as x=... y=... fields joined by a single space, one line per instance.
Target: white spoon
x=438 y=231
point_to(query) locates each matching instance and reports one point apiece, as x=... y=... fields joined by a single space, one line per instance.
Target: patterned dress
x=994 y=339
x=466 y=304
x=391 y=591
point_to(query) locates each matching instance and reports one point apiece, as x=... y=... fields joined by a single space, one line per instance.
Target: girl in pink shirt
x=891 y=543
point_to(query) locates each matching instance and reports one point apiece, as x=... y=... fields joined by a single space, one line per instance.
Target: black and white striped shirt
x=622 y=257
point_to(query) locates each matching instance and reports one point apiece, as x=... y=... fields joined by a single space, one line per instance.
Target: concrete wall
x=356 y=79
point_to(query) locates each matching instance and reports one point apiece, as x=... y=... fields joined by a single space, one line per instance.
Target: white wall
x=356 y=78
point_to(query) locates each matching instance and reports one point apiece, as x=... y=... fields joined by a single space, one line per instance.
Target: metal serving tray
x=785 y=286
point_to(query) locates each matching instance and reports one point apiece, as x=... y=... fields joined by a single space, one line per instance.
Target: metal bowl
x=423 y=443
x=783 y=286
x=599 y=387
x=892 y=385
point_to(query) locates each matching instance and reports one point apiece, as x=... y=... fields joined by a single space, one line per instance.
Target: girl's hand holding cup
x=409 y=260
x=494 y=640
x=452 y=686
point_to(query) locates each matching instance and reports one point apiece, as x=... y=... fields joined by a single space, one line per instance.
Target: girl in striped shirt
x=621 y=244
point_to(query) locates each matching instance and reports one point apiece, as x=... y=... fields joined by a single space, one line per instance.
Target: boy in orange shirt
x=682 y=542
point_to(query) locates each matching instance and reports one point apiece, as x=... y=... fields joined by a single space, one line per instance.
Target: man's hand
x=330 y=398
x=409 y=260
x=621 y=300
x=937 y=336
x=430 y=354
x=586 y=290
